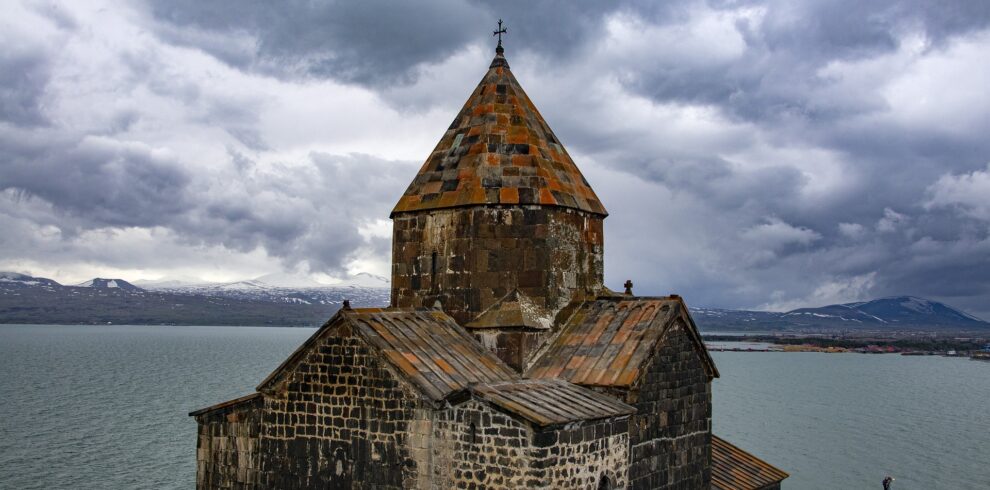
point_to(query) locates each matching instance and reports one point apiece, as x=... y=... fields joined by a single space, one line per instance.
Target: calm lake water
x=105 y=407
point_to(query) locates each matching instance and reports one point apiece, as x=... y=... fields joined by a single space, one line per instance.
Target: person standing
x=887 y=481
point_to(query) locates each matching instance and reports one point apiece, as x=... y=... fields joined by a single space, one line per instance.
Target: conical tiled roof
x=499 y=150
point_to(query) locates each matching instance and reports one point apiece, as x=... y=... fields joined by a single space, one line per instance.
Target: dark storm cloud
x=759 y=141
x=379 y=42
x=365 y=42
x=779 y=84
x=97 y=181
x=23 y=77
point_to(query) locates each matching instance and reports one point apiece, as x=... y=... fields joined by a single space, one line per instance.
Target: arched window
x=604 y=483
x=473 y=431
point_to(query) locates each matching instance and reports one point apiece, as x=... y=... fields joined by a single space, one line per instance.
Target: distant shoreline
x=911 y=344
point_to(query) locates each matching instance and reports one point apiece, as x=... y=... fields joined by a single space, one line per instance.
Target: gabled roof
x=499 y=150
x=735 y=469
x=546 y=402
x=426 y=347
x=606 y=342
x=512 y=310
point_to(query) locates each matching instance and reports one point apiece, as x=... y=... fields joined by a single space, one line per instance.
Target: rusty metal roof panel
x=430 y=349
x=548 y=402
x=606 y=341
x=735 y=469
x=499 y=150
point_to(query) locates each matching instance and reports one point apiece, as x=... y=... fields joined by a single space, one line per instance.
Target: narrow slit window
x=433 y=267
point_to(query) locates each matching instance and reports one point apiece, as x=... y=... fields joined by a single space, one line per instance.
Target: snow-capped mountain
x=17 y=280
x=28 y=299
x=361 y=289
x=171 y=282
x=365 y=280
x=100 y=283
x=892 y=313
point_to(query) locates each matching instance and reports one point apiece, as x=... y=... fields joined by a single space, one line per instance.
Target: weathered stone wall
x=512 y=345
x=583 y=455
x=670 y=435
x=227 y=447
x=468 y=258
x=477 y=447
x=345 y=421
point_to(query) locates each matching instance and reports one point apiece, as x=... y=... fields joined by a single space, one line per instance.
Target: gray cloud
x=753 y=153
x=309 y=211
x=99 y=181
x=366 y=42
x=23 y=77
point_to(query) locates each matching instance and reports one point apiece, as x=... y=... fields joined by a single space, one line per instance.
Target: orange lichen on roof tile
x=447 y=368
x=432 y=187
x=499 y=127
x=402 y=362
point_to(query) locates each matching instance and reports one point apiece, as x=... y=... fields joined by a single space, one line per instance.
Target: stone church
x=503 y=361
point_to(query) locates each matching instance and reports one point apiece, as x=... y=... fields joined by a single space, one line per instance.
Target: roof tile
x=499 y=126
x=735 y=469
x=605 y=341
x=550 y=401
x=426 y=346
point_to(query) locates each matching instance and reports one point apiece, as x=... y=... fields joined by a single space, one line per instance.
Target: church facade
x=503 y=361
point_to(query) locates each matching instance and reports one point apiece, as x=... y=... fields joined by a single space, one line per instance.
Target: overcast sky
x=756 y=154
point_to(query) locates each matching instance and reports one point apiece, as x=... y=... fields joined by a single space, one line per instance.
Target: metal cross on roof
x=501 y=30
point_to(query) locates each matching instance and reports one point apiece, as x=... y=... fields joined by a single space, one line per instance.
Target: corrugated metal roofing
x=607 y=340
x=551 y=401
x=499 y=150
x=426 y=346
x=735 y=469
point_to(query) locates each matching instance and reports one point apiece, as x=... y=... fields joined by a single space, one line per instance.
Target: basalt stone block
x=556 y=262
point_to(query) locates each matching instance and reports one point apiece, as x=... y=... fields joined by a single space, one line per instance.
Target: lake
x=105 y=407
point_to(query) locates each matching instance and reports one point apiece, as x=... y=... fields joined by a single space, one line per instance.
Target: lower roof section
x=547 y=402
x=735 y=469
x=426 y=347
x=236 y=402
x=606 y=342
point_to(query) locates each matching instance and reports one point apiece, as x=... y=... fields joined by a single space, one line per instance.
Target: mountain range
x=281 y=299
x=883 y=314
x=38 y=300
x=360 y=289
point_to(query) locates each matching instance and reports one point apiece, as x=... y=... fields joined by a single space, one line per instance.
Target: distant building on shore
x=503 y=360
